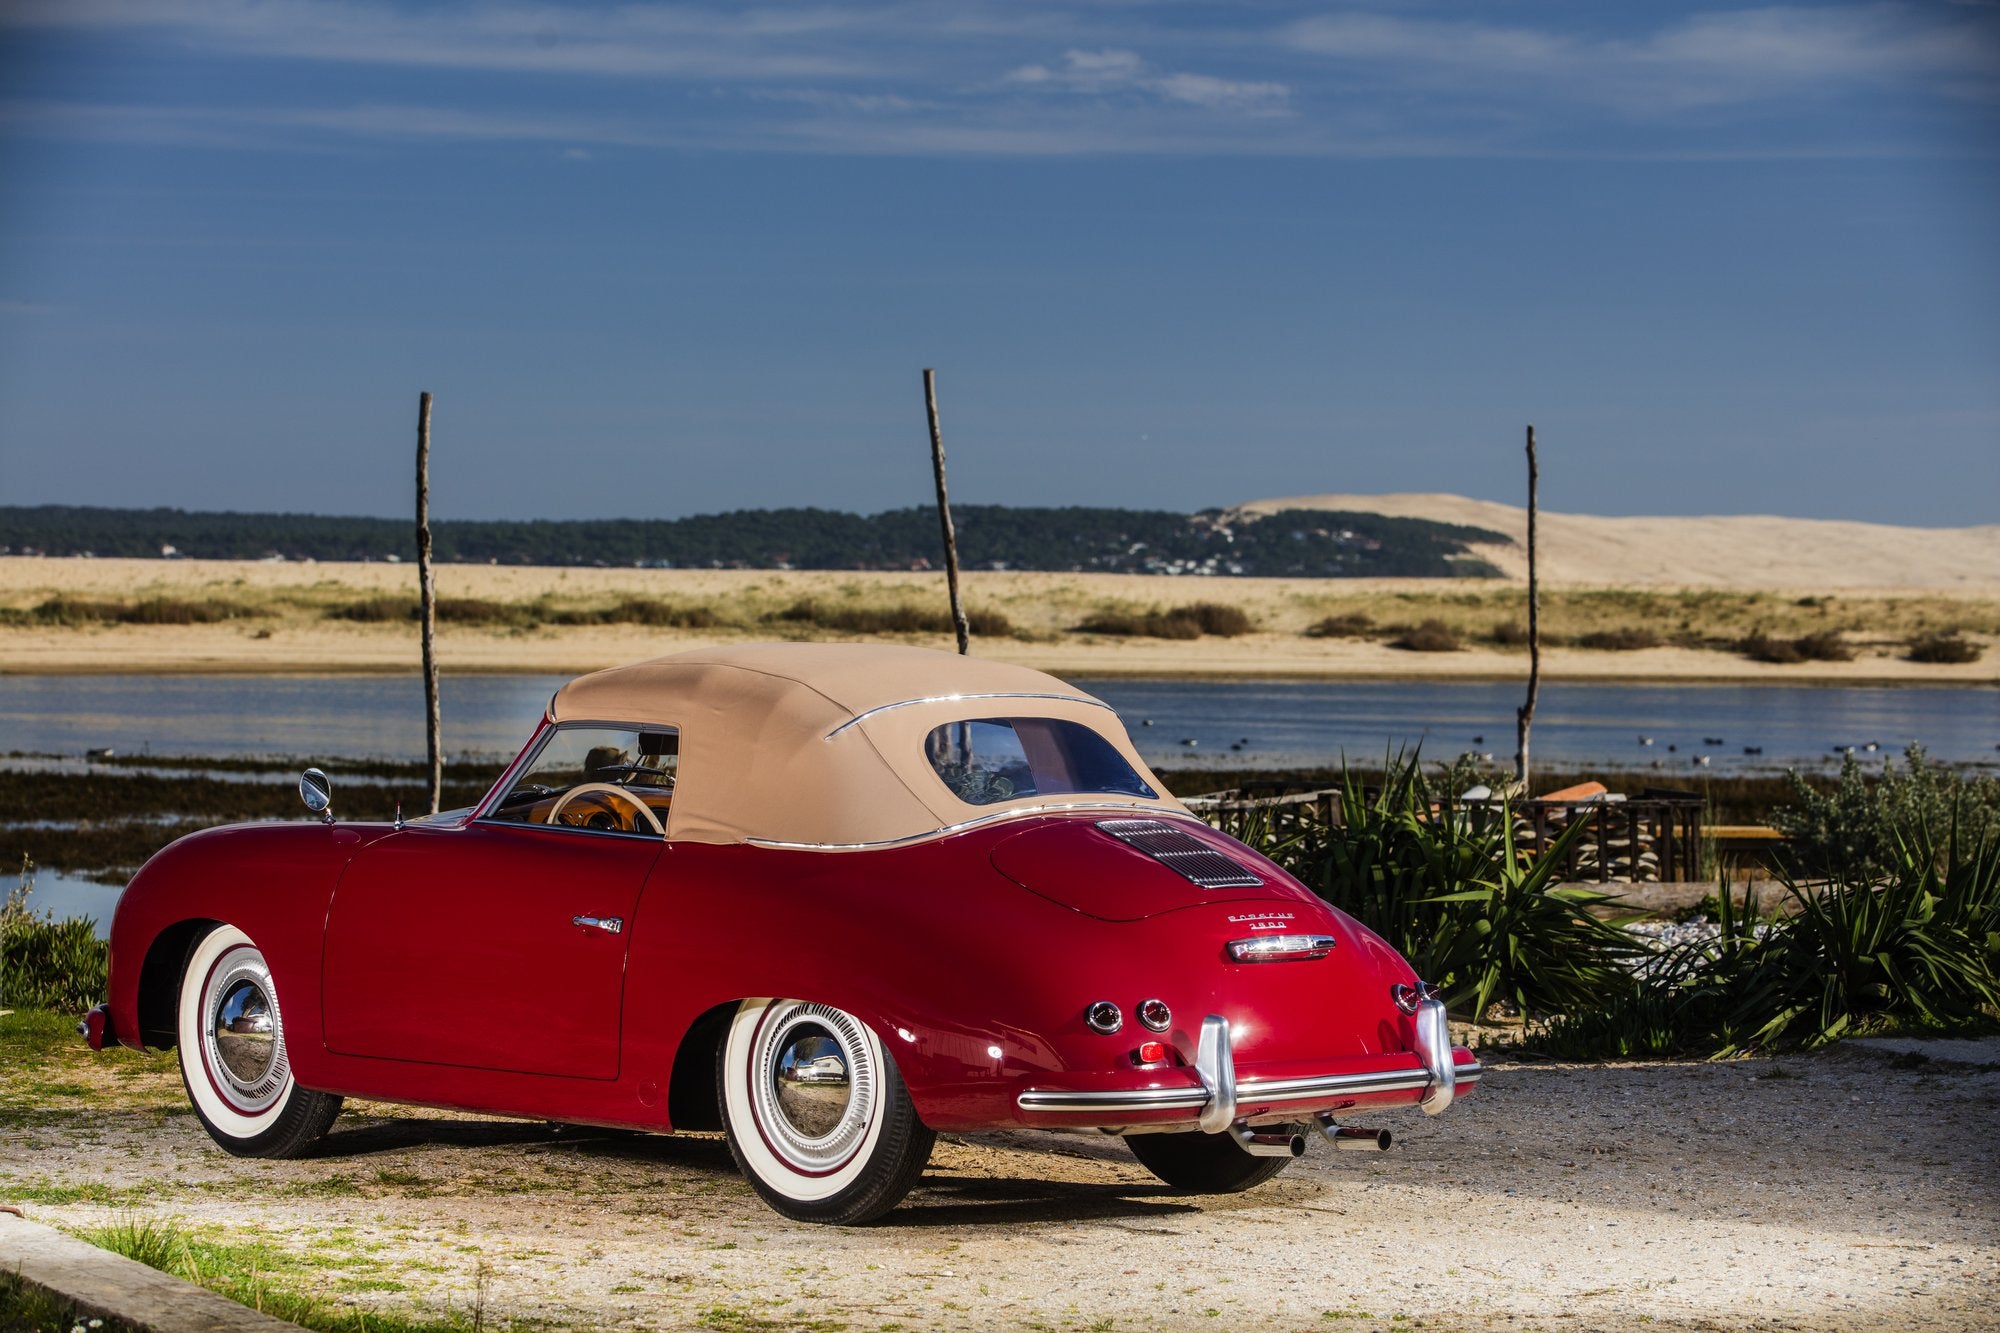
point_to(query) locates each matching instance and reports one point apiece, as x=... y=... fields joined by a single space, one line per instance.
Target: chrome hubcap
x=244 y=1040
x=243 y=1036
x=812 y=1085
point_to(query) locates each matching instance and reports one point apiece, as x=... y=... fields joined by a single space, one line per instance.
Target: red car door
x=491 y=946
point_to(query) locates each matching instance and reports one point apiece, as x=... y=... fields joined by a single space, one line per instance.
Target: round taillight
x=1155 y=1015
x=1103 y=1016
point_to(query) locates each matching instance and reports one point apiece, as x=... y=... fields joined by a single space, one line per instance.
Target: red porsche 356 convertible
x=829 y=899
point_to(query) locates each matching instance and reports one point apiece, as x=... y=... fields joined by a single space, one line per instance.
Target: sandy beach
x=281 y=620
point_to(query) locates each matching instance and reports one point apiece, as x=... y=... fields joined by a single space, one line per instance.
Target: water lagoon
x=1232 y=723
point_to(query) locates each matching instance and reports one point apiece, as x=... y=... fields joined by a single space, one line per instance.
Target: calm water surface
x=1271 y=723
x=1176 y=723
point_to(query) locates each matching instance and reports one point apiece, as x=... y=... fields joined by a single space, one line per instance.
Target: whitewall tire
x=230 y=1034
x=817 y=1114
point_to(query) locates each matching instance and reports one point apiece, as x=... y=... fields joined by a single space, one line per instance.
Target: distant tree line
x=1298 y=543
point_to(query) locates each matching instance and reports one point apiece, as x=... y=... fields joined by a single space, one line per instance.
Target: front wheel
x=1203 y=1163
x=231 y=1035
x=817 y=1115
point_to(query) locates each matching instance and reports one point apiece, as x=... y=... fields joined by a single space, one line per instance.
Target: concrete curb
x=111 y=1286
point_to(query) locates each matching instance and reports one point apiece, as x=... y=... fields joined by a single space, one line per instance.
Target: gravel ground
x=1848 y=1190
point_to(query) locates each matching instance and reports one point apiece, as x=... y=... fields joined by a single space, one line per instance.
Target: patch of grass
x=94 y=1192
x=477 y=611
x=375 y=610
x=897 y=619
x=1624 y=639
x=1821 y=646
x=648 y=611
x=1352 y=625
x=74 y=612
x=1945 y=648
x=1178 y=622
x=1431 y=636
x=273 y=1280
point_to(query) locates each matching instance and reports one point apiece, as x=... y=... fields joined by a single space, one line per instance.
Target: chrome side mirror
x=316 y=790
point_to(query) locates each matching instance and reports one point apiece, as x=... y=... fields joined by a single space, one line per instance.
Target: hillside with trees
x=1291 y=543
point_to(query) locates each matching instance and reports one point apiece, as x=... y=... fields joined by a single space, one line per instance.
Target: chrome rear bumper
x=1219 y=1098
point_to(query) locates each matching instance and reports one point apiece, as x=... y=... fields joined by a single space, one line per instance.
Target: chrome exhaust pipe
x=1353 y=1138
x=1278 y=1143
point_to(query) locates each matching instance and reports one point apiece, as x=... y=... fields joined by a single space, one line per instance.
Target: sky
x=664 y=259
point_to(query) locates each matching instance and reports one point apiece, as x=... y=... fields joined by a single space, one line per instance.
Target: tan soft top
x=822 y=744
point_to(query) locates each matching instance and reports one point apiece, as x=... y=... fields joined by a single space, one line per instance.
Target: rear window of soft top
x=988 y=760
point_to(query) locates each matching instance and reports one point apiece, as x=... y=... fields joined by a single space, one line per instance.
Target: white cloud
x=1025 y=77
x=1712 y=59
x=1098 y=73
x=724 y=42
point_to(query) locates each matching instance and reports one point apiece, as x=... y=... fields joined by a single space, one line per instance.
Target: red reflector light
x=1152 y=1052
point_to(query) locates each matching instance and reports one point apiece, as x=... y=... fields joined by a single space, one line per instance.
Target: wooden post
x=1525 y=718
x=427 y=594
x=958 y=621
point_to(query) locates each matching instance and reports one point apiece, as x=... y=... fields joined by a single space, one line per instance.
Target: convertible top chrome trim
x=1152 y=811
x=1249 y=1092
x=954 y=698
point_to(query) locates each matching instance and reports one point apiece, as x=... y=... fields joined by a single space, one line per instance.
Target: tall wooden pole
x=1525 y=718
x=427 y=593
x=958 y=621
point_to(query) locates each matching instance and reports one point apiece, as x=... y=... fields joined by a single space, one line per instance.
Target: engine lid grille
x=1182 y=852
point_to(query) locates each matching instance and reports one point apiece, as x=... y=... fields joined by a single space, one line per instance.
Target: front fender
x=272 y=881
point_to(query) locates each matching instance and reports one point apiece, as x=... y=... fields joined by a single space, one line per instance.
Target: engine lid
x=1126 y=869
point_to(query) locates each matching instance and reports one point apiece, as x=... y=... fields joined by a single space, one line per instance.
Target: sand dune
x=1727 y=551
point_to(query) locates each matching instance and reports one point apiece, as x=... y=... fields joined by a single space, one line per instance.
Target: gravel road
x=1846 y=1190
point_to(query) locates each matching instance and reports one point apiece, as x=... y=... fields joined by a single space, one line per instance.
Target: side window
x=991 y=759
x=598 y=779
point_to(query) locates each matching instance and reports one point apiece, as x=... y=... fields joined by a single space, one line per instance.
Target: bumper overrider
x=1218 y=1101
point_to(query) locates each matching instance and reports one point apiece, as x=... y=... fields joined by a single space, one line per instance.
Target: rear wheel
x=231 y=1038
x=817 y=1115
x=1203 y=1163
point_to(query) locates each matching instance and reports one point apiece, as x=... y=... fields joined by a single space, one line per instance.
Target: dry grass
x=258 y=616
x=1949 y=649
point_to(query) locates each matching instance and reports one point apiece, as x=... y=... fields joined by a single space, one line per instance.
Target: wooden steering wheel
x=605 y=789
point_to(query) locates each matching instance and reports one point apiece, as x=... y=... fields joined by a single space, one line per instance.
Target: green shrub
x=71 y=612
x=44 y=963
x=903 y=619
x=1824 y=646
x=1218 y=619
x=1353 y=625
x=1454 y=893
x=1862 y=823
x=1179 y=622
x=1919 y=942
x=647 y=611
x=1625 y=639
x=1947 y=648
x=376 y=610
x=1827 y=645
x=1432 y=636
x=476 y=611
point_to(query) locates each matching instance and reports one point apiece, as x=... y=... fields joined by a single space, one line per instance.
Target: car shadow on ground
x=401 y=1134
x=943 y=1198
x=1002 y=1202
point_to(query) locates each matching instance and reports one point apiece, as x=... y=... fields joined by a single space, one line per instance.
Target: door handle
x=610 y=925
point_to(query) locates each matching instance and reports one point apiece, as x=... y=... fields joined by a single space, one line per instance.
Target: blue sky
x=669 y=259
